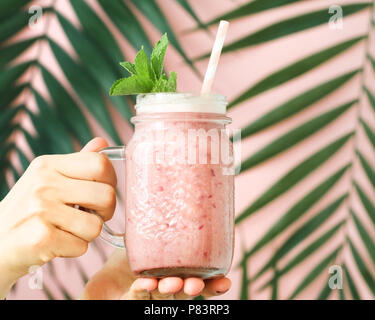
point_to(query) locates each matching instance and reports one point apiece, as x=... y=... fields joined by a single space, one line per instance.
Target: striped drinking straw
x=215 y=56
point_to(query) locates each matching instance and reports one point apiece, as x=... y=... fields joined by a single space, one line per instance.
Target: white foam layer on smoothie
x=180 y=102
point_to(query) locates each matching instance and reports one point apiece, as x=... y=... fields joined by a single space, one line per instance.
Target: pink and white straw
x=215 y=56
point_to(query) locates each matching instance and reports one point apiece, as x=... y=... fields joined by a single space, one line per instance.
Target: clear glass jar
x=179 y=202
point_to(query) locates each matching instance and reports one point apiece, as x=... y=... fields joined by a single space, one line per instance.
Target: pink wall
x=237 y=72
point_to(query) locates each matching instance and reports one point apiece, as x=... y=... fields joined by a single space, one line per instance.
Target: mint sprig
x=146 y=75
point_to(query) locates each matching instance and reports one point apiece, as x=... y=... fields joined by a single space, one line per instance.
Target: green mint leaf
x=128 y=66
x=146 y=75
x=157 y=55
x=131 y=85
x=160 y=86
x=166 y=85
x=142 y=66
x=172 y=82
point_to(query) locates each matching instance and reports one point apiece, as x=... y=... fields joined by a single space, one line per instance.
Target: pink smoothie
x=179 y=216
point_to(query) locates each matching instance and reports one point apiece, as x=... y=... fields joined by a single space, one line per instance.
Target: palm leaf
x=367 y=168
x=11 y=74
x=151 y=10
x=9 y=7
x=23 y=159
x=297 y=210
x=98 y=32
x=12 y=24
x=296 y=104
x=6 y=148
x=366 y=238
x=372 y=61
x=9 y=52
x=294 y=70
x=4 y=188
x=66 y=107
x=315 y=272
x=325 y=292
x=103 y=70
x=16 y=175
x=276 y=116
x=8 y=115
x=127 y=24
x=275 y=284
x=7 y=96
x=294 y=136
x=362 y=267
x=185 y=4
x=370 y=134
x=307 y=252
x=250 y=8
x=351 y=284
x=342 y=294
x=47 y=125
x=86 y=88
x=295 y=175
x=7 y=130
x=48 y=293
x=367 y=204
x=371 y=97
x=302 y=233
x=288 y=27
x=244 y=294
x=36 y=147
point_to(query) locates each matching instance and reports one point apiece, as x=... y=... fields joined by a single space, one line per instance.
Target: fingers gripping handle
x=107 y=234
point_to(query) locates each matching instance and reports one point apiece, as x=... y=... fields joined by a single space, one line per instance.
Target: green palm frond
x=294 y=70
x=296 y=104
x=363 y=269
x=294 y=136
x=351 y=284
x=315 y=271
x=152 y=11
x=294 y=176
x=301 y=234
x=297 y=210
x=312 y=162
x=287 y=27
x=249 y=9
x=325 y=292
x=307 y=252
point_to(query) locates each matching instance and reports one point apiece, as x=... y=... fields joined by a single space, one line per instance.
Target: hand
x=37 y=219
x=116 y=281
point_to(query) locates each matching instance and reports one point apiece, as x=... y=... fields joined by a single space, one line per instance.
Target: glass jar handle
x=107 y=234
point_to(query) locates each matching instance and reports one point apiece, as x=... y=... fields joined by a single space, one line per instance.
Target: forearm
x=8 y=275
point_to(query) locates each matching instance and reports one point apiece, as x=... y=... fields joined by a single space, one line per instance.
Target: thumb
x=95 y=144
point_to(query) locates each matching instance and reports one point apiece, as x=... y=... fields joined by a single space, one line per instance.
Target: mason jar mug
x=179 y=177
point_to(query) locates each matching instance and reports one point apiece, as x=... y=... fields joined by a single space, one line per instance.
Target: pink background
x=237 y=72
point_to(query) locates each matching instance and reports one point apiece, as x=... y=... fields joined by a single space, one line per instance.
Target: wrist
x=7 y=279
x=6 y=283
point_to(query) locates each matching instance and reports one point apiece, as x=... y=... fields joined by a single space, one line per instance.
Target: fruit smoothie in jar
x=179 y=187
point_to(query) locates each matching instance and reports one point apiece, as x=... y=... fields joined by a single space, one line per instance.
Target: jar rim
x=182 y=116
x=180 y=102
